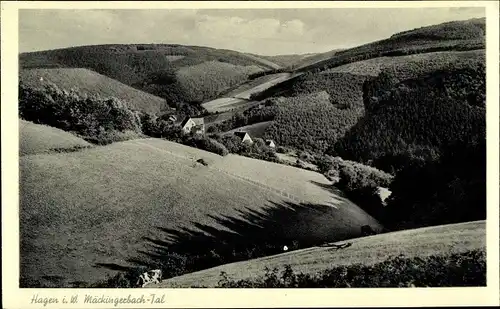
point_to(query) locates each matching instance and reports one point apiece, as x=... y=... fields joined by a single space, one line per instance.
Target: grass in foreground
x=37 y=138
x=441 y=240
x=454 y=270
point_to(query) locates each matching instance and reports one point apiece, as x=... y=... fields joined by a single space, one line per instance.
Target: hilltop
x=449 y=36
x=108 y=204
x=173 y=72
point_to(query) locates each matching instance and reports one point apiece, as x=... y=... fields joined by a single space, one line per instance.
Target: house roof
x=197 y=121
x=241 y=134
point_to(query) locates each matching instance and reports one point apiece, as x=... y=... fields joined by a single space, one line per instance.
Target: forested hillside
x=174 y=72
x=417 y=116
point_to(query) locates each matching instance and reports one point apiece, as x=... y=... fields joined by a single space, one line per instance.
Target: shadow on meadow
x=247 y=235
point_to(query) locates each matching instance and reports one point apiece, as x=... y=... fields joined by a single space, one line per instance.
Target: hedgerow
x=453 y=270
x=95 y=119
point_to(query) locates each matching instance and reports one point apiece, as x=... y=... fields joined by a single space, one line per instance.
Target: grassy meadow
x=38 y=139
x=440 y=240
x=108 y=204
x=91 y=83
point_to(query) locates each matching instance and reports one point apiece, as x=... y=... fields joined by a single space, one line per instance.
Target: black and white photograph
x=251 y=148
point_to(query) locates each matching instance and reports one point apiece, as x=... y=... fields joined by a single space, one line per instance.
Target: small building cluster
x=193 y=125
x=197 y=126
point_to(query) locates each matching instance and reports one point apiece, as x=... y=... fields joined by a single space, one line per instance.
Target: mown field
x=38 y=139
x=270 y=79
x=90 y=213
x=91 y=83
x=255 y=130
x=440 y=240
x=223 y=105
x=239 y=97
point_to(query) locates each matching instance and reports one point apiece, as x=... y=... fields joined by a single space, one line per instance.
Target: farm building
x=244 y=137
x=270 y=143
x=193 y=125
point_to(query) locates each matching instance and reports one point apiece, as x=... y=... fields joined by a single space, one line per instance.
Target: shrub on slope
x=359 y=182
x=92 y=117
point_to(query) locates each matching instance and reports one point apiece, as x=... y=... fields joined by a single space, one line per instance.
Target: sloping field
x=241 y=95
x=310 y=60
x=408 y=66
x=37 y=138
x=254 y=83
x=263 y=61
x=89 y=82
x=370 y=250
x=205 y=80
x=255 y=130
x=449 y=36
x=222 y=105
x=84 y=211
x=263 y=85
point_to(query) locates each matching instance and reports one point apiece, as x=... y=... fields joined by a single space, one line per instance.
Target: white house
x=244 y=137
x=193 y=125
x=270 y=143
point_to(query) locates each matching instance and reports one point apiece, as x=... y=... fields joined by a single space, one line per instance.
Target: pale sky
x=259 y=31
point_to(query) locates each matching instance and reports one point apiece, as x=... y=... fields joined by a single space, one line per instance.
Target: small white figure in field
x=285 y=248
x=41 y=79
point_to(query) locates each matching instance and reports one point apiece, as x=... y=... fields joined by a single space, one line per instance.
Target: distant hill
x=121 y=205
x=89 y=82
x=450 y=36
x=39 y=139
x=287 y=61
x=161 y=69
x=345 y=86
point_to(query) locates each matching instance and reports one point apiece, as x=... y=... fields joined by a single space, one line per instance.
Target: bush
x=95 y=119
x=207 y=144
x=108 y=137
x=359 y=182
x=454 y=270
